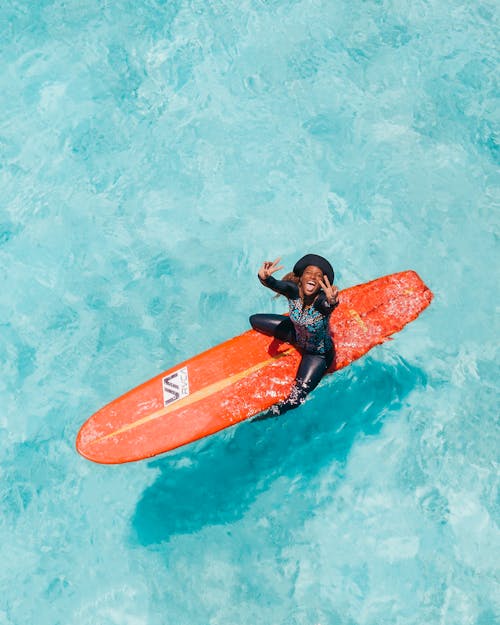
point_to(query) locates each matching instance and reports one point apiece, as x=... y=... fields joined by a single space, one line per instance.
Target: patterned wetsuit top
x=311 y=322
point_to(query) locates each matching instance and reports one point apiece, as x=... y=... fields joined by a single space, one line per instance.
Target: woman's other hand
x=268 y=268
x=331 y=291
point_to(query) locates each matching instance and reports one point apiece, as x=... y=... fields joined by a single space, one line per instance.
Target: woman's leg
x=278 y=326
x=311 y=369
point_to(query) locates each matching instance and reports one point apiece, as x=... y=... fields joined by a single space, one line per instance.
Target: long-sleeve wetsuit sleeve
x=283 y=287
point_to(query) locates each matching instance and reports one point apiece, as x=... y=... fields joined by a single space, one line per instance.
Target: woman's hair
x=289 y=277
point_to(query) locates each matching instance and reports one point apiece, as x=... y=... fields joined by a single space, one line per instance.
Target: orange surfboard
x=241 y=377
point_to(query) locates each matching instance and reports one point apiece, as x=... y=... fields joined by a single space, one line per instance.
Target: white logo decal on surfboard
x=175 y=386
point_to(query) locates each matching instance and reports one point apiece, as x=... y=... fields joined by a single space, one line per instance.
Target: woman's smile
x=310 y=286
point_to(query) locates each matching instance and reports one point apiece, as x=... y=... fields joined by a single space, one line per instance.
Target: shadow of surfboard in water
x=216 y=480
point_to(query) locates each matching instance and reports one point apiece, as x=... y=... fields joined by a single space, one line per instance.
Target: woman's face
x=309 y=282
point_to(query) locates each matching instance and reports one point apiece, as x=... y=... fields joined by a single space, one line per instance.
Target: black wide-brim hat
x=316 y=261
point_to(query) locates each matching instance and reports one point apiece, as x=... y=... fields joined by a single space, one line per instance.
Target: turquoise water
x=152 y=154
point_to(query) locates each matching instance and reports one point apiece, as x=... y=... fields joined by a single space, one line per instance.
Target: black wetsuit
x=307 y=328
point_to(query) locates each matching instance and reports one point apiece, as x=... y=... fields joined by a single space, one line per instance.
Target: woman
x=312 y=297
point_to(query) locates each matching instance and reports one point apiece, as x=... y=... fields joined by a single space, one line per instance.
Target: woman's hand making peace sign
x=268 y=268
x=330 y=290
